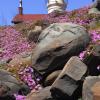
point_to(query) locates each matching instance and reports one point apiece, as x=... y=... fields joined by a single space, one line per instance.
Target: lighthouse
x=56 y=6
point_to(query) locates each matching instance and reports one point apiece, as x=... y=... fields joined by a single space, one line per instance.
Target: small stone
x=51 y=78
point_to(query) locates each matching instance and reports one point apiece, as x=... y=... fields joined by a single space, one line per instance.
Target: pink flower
x=98 y=67
x=82 y=54
x=20 y=97
x=27 y=75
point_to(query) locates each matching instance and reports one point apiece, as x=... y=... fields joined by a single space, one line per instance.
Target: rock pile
x=55 y=59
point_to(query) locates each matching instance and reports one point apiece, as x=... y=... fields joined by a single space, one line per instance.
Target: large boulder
x=57 y=44
x=88 y=88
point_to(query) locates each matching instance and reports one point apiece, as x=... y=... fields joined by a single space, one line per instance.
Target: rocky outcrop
x=57 y=44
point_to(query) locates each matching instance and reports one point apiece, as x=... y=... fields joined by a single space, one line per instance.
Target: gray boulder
x=57 y=44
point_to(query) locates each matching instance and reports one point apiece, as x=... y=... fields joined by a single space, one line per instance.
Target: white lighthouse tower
x=56 y=5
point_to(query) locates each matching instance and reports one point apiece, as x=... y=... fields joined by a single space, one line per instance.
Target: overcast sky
x=9 y=8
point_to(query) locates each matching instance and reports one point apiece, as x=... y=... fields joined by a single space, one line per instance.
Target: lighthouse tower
x=20 y=8
x=56 y=5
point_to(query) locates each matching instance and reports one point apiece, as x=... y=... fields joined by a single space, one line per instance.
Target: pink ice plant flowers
x=95 y=36
x=26 y=75
x=12 y=43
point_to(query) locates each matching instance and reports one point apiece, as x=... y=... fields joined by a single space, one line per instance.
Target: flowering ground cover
x=12 y=43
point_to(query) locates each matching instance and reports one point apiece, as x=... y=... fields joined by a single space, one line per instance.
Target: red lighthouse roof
x=27 y=17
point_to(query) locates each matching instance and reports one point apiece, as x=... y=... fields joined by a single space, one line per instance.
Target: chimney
x=20 y=8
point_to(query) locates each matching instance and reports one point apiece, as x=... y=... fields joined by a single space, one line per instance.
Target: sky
x=9 y=8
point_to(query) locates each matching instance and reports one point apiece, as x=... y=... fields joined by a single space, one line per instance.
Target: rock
x=9 y=84
x=94 y=10
x=69 y=83
x=97 y=4
x=34 y=34
x=57 y=44
x=93 y=60
x=95 y=7
x=88 y=84
x=21 y=59
x=40 y=95
x=3 y=89
x=74 y=68
x=51 y=78
x=96 y=91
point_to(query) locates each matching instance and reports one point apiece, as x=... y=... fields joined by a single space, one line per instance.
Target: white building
x=56 y=5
